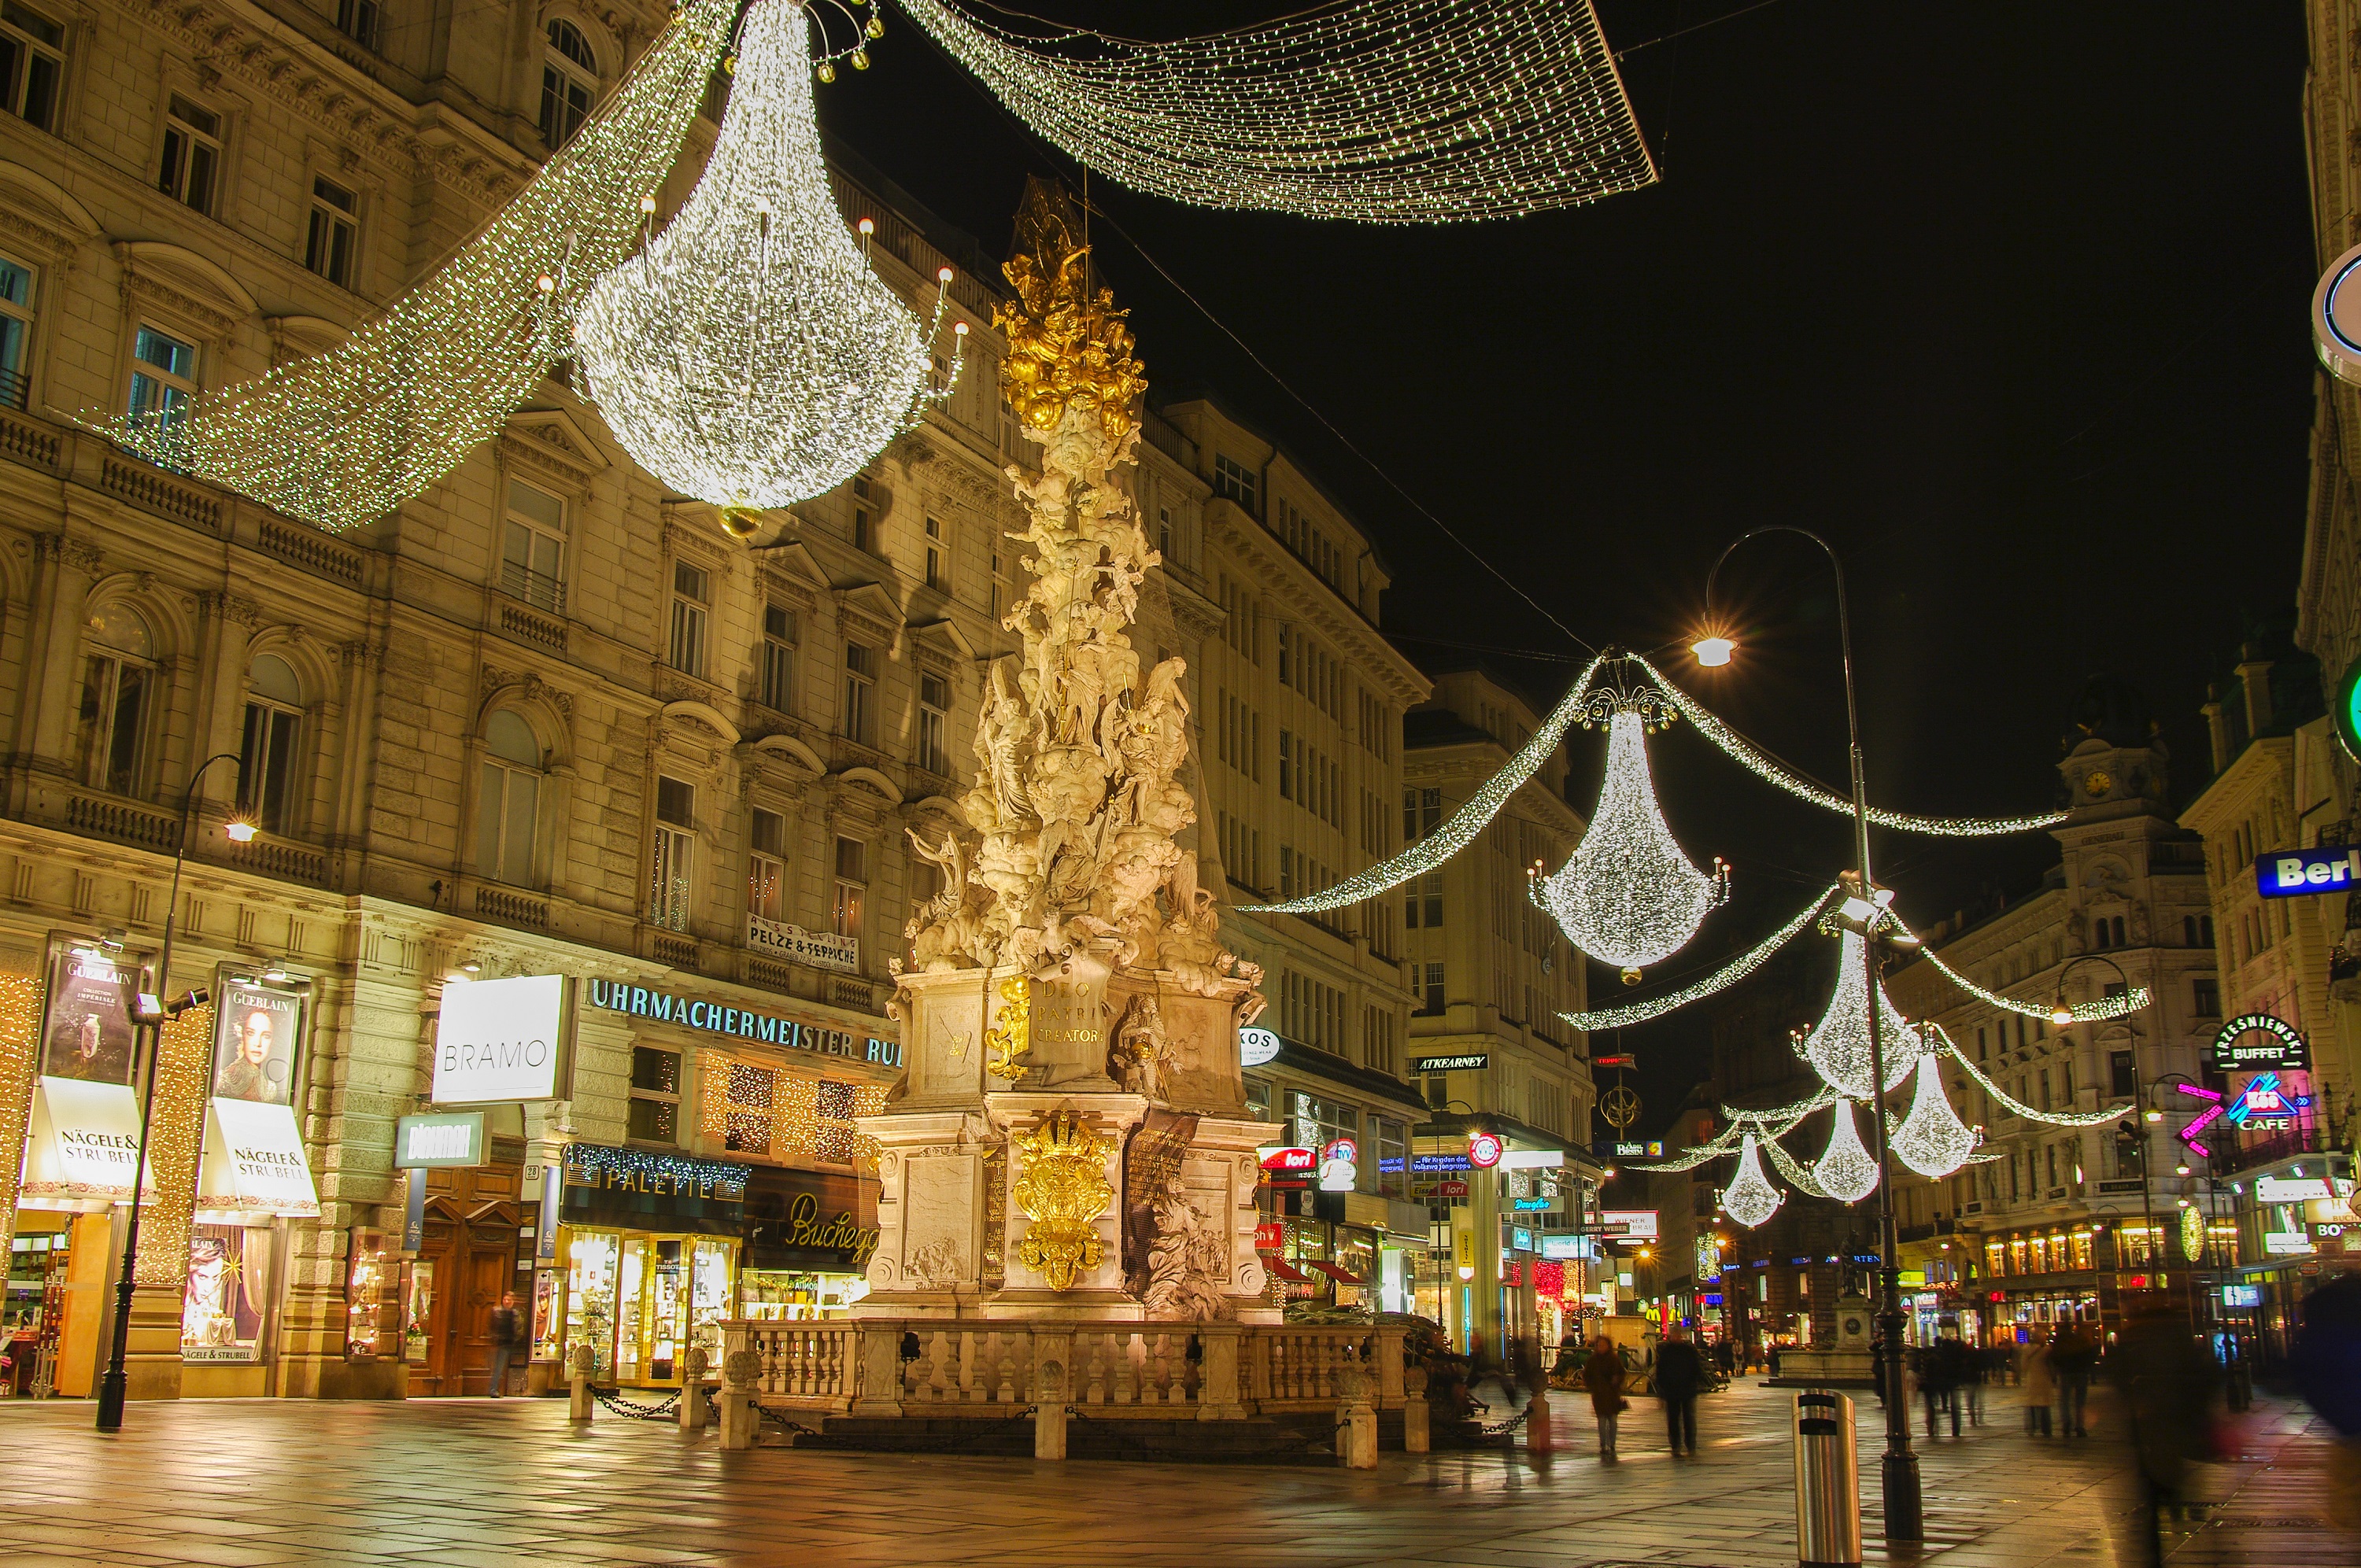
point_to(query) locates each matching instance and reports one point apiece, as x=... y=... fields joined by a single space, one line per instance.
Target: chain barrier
x=612 y=1398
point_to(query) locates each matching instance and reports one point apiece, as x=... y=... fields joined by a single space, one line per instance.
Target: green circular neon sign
x=2346 y=711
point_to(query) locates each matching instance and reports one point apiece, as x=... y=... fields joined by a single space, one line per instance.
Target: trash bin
x=1828 y=1483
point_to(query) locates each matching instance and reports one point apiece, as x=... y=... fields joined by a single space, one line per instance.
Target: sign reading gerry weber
x=820 y=1220
x=636 y=1190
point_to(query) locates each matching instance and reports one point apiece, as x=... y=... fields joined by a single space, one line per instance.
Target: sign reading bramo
x=499 y=1039
x=663 y=1008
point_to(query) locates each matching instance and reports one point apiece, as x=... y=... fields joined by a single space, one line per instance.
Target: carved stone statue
x=1188 y=1263
x=1141 y=1054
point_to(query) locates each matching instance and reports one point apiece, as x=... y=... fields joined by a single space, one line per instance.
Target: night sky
x=2007 y=300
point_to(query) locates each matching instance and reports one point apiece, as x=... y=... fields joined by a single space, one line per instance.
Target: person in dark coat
x=2327 y=1370
x=1603 y=1376
x=510 y=1340
x=1680 y=1374
x=2167 y=1384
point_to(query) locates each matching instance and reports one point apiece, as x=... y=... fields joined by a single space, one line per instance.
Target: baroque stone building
x=545 y=719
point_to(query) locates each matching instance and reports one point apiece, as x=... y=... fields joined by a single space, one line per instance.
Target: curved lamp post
x=1863 y=911
x=149 y=1016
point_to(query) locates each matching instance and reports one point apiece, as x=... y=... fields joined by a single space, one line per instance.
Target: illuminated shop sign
x=1470 y=1062
x=742 y=1023
x=500 y=1040
x=2257 y=1040
x=2288 y=874
x=1257 y=1046
x=639 y=1189
x=2263 y=1106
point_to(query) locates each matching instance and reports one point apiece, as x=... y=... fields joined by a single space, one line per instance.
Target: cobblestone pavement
x=455 y=1483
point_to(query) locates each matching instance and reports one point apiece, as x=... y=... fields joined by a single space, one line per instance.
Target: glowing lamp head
x=2156 y=1115
x=2061 y=1014
x=648 y=206
x=1466 y=1271
x=1713 y=652
x=960 y=328
x=2180 y=1170
x=867 y=225
x=239 y=830
x=942 y=275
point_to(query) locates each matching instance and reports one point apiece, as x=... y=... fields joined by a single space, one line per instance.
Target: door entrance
x=467 y=1259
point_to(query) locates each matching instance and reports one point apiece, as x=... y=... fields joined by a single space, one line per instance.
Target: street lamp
x=150 y=1016
x=1864 y=910
x=2061 y=1013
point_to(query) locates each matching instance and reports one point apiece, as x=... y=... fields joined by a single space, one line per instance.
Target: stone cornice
x=1377 y=660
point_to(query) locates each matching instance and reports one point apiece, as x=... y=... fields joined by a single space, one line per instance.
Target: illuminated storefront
x=808 y=1236
x=648 y=1249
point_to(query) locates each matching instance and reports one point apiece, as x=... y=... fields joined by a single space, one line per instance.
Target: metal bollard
x=1827 y=1481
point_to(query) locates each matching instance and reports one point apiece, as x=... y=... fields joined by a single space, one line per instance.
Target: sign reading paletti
x=639 y=1189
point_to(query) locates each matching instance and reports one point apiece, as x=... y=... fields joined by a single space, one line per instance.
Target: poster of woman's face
x=90 y=1033
x=254 y=1043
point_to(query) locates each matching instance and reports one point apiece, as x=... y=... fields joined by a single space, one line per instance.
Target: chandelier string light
x=2017 y=1107
x=340 y=439
x=1628 y=896
x=1383 y=111
x=1764 y=765
x=1730 y=975
x=1793 y=1171
x=1750 y=1199
x=2095 y=1011
x=1844 y=1172
x=1460 y=830
x=749 y=356
x=1931 y=1140
x=1837 y=1048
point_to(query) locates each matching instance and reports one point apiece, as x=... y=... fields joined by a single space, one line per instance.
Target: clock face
x=2097 y=782
x=1852 y=1326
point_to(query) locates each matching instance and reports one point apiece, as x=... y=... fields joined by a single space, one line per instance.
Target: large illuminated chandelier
x=1628 y=896
x=749 y=356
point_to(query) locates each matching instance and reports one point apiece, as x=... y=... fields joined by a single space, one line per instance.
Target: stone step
x=1305 y=1437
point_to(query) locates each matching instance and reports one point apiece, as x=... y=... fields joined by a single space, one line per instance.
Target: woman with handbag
x=1603 y=1376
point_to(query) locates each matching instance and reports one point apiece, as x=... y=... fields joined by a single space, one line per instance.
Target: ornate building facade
x=544 y=719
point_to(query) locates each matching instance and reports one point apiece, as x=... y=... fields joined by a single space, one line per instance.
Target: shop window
x=934 y=717
x=779 y=639
x=656 y=1096
x=861 y=693
x=532 y=547
x=332 y=242
x=569 y=82
x=851 y=885
x=232 y=1280
x=16 y=331
x=691 y=592
x=675 y=854
x=117 y=676
x=32 y=65
x=767 y=866
x=507 y=803
x=752 y=1094
x=1393 y=1142
x=267 y=756
x=2123 y=1075
x=192 y=150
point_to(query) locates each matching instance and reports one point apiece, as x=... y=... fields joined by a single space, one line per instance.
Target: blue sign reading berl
x=2331 y=868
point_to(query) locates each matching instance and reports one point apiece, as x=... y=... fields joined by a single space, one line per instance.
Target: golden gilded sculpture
x=1061 y=1185
x=1010 y=1032
x=1068 y=347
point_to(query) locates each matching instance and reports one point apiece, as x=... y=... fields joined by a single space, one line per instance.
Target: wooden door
x=437 y=1252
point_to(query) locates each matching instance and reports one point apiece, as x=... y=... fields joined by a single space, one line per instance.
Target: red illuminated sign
x=1289 y=1159
x=1484 y=1150
x=1267 y=1236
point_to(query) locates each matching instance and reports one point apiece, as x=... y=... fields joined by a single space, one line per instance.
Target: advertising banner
x=500 y=1040
x=257 y=1033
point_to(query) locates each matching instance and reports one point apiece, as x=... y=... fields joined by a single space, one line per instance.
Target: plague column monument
x=1071 y=1143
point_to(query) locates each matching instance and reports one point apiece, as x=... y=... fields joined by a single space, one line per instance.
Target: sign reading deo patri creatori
x=500 y=1039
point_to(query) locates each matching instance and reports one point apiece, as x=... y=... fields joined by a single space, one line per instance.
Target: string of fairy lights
x=1383 y=111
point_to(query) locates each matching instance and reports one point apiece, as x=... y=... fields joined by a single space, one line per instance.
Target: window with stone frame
x=934 y=722
x=119 y=679
x=766 y=865
x=269 y=761
x=508 y=799
x=780 y=634
x=32 y=64
x=655 y=1112
x=669 y=881
x=332 y=239
x=190 y=167
x=569 y=82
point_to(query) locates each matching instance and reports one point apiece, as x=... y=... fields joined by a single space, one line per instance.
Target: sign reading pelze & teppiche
x=500 y=1039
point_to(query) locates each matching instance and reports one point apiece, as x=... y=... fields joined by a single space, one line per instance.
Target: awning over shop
x=1340 y=1275
x=84 y=1141
x=254 y=1162
x=1284 y=1269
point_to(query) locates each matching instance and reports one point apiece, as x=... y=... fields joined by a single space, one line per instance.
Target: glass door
x=710 y=1296
x=666 y=1310
x=630 y=1311
x=592 y=1258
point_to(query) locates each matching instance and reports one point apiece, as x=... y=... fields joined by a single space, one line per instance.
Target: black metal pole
x=113 y=1383
x=1905 y=1506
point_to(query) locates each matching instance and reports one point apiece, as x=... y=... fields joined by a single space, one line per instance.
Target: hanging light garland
x=1626 y=895
x=749 y=356
x=340 y=439
x=1838 y=1046
x=2104 y=1007
x=1844 y=1172
x=2017 y=1107
x=1764 y=765
x=1931 y=1140
x=1730 y=975
x=1460 y=830
x=1384 y=111
x=1750 y=1198
x=1793 y=1172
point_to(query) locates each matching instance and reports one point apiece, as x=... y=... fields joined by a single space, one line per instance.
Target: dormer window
x=570 y=83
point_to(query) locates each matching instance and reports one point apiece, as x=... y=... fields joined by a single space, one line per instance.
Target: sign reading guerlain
x=664 y=1007
x=822 y=949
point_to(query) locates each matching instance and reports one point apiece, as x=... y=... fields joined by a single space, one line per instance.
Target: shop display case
x=365 y=1285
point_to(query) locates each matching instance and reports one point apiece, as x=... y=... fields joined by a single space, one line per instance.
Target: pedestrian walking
x=1680 y=1373
x=508 y=1340
x=1938 y=1381
x=2168 y=1392
x=1603 y=1376
x=2036 y=1384
x=2074 y=1356
x=2328 y=1374
x=1975 y=1363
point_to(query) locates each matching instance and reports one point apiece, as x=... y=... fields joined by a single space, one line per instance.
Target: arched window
x=118 y=673
x=268 y=758
x=2118 y=931
x=2099 y=932
x=570 y=83
x=508 y=808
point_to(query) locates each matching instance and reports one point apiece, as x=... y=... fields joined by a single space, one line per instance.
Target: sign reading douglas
x=500 y=1039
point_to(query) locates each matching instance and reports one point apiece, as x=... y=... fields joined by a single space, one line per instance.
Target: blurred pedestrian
x=1603 y=1376
x=508 y=1336
x=2167 y=1384
x=2036 y=1384
x=1680 y=1373
x=2074 y=1356
x=2328 y=1374
x=1975 y=1363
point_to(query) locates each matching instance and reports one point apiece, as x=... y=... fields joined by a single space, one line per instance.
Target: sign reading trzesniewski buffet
x=499 y=1039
